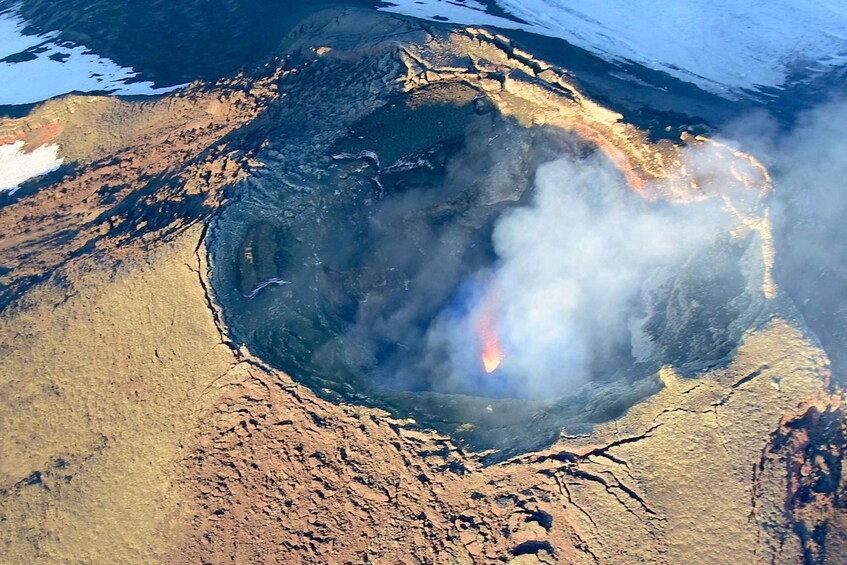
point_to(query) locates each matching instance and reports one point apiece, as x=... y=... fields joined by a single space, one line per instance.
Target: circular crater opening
x=494 y=281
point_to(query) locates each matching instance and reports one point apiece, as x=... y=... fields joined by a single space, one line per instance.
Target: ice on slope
x=58 y=68
x=468 y=12
x=723 y=46
x=16 y=165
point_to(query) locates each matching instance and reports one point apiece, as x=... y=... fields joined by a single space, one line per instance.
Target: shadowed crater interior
x=432 y=257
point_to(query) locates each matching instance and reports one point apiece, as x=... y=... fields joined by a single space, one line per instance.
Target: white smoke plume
x=570 y=273
x=809 y=167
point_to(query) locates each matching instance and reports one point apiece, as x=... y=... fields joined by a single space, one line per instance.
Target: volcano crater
x=354 y=263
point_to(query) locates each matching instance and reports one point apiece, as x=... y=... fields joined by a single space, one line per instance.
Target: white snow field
x=724 y=46
x=58 y=68
x=16 y=165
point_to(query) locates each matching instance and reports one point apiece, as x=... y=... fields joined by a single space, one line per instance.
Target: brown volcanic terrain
x=134 y=430
x=115 y=186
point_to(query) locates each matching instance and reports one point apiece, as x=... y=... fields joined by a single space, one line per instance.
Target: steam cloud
x=570 y=273
x=564 y=294
x=809 y=167
x=572 y=265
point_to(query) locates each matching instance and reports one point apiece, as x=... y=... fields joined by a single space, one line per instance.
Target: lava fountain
x=488 y=332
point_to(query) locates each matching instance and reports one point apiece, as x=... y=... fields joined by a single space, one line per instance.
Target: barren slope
x=134 y=430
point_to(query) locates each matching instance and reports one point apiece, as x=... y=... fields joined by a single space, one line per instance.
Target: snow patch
x=466 y=12
x=45 y=67
x=16 y=166
x=723 y=46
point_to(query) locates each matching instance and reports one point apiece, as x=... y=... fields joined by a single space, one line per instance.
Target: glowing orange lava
x=488 y=332
x=491 y=360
